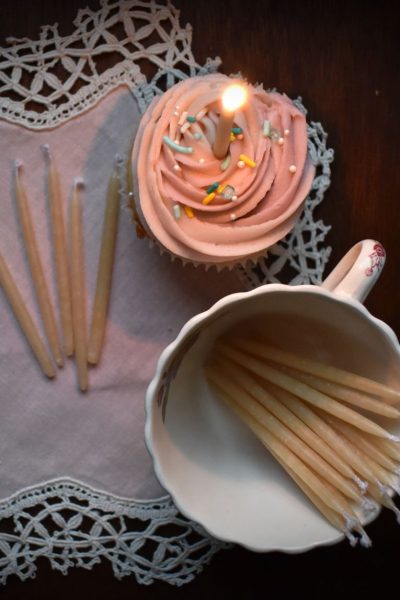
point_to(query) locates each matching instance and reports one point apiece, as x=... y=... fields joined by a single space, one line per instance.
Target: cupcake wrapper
x=144 y=233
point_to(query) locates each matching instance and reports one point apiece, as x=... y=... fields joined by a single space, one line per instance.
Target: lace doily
x=76 y=526
x=44 y=83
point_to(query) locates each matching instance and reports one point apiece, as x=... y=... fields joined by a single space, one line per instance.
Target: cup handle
x=356 y=274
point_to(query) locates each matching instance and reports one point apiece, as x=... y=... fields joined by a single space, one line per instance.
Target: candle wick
x=363 y=485
x=352 y=538
x=79 y=183
x=46 y=151
x=18 y=165
x=367 y=504
x=365 y=541
x=118 y=160
x=383 y=490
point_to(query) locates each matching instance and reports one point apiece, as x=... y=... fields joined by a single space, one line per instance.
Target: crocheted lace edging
x=74 y=525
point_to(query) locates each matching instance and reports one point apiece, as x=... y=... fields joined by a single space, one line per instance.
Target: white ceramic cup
x=216 y=471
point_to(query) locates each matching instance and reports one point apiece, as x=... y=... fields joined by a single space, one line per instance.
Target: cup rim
x=171 y=349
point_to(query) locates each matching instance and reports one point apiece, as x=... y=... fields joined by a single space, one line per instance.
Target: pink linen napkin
x=48 y=429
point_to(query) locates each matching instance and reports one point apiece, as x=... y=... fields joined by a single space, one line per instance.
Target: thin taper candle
x=36 y=268
x=233 y=97
x=245 y=380
x=78 y=287
x=268 y=421
x=341 y=392
x=318 y=399
x=105 y=269
x=335 y=500
x=60 y=253
x=308 y=365
x=25 y=320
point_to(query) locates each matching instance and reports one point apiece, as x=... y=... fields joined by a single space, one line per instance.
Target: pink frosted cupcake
x=220 y=211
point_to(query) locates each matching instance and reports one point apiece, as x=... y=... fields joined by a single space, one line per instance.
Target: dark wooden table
x=342 y=57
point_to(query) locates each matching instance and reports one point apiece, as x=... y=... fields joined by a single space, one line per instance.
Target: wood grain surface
x=343 y=58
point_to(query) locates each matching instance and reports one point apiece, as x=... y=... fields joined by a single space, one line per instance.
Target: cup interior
x=218 y=473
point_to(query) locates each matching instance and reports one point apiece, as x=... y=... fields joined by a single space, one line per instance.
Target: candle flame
x=234 y=97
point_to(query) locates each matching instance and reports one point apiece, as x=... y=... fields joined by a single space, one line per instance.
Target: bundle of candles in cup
x=305 y=413
x=69 y=274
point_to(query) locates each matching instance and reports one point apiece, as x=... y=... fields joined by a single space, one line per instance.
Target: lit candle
x=25 y=320
x=78 y=287
x=36 y=267
x=60 y=253
x=105 y=268
x=233 y=98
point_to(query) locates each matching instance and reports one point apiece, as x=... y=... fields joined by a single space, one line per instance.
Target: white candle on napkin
x=78 y=287
x=60 y=253
x=105 y=269
x=25 y=321
x=36 y=267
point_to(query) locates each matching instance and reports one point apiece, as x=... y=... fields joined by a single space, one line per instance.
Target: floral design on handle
x=377 y=258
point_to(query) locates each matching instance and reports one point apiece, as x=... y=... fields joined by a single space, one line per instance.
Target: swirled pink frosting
x=267 y=198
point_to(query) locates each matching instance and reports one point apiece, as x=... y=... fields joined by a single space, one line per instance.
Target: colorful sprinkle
x=293 y=168
x=177 y=168
x=234 y=198
x=201 y=160
x=182 y=118
x=188 y=211
x=275 y=134
x=281 y=141
x=191 y=119
x=185 y=127
x=177 y=211
x=221 y=188
x=232 y=216
x=197 y=135
x=225 y=163
x=286 y=132
x=209 y=198
x=201 y=113
x=176 y=146
x=228 y=192
x=211 y=188
x=232 y=137
x=240 y=136
x=241 y=164
x=248 y=161
x=236 y=130
x=266 y=128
